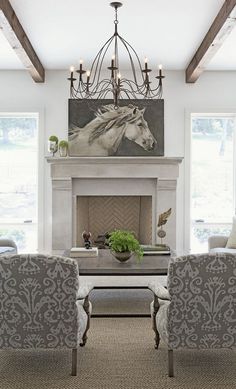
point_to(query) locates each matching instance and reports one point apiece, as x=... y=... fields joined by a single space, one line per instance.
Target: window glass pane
x=18 y=184
x=201 y=232
x=24 y=235
x=212 y=177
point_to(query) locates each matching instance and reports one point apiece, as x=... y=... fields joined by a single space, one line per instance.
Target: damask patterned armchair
x=41 y=304
x=198 y=311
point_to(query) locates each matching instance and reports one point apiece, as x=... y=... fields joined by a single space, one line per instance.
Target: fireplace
x=103 y=193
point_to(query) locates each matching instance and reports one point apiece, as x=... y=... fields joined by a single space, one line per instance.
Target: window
x=212 y=177
x=19 y=179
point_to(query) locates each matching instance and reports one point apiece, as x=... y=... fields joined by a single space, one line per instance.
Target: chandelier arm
x=139 y=89
x=105 y=93
x=99 y=93
x=127 y=93
x=83 y=86
x=130 y=58
x=127 y=45
x=100 y=52
x=74 y=91
x=103 y=84
x=102 y=59
x=159 y=86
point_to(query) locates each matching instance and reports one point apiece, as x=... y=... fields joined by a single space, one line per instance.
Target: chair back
x=202 y=311
x=38 y=301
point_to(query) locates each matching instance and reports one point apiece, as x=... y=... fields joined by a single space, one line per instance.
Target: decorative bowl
x=122 y=257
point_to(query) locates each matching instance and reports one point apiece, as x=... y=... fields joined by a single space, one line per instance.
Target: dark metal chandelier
x=90 y=85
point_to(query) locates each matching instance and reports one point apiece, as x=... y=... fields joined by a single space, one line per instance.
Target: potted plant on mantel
x=63 y=148
x=53 y=144
x=123 y=244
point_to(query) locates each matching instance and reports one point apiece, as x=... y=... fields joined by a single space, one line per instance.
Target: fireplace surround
x=151 y=181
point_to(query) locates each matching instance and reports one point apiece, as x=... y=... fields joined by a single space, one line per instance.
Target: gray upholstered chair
x=217 y=244
x=198 y=311
x=42 y=306
x=7 y=246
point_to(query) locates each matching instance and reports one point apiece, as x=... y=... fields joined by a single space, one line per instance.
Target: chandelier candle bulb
x=72 y=79
x=71 y=71
x=88 y=75
x=146 y=62
x=118 y=78
x=160 y=70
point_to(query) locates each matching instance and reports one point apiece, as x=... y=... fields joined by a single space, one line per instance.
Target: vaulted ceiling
x=168 y=32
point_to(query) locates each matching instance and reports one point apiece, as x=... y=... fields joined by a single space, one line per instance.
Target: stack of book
x=159 y=249
x=82 y=252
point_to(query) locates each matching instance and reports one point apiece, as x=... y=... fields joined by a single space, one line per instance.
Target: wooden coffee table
x=106 y=265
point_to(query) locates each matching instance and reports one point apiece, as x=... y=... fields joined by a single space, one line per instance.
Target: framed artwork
x=96 y=128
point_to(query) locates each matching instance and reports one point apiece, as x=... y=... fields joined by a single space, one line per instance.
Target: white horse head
x=137 y=130
x=129 y=120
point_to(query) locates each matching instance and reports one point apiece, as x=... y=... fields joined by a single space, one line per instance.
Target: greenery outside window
x=212 y=177
x=19 y=179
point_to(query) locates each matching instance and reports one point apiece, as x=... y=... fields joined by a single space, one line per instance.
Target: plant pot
x=63 y=151
x=122 y=257
x=52 y=147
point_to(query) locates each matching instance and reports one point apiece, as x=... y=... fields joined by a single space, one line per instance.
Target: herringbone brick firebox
x=100 y=214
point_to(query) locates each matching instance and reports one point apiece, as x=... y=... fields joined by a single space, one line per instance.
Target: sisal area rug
x=119 y=354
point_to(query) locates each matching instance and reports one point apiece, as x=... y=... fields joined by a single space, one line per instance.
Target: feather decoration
x=163 y=217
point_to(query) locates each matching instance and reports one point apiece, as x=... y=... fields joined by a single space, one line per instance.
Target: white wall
x=214 y=91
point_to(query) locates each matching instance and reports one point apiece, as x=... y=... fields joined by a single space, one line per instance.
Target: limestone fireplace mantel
x=73 y=176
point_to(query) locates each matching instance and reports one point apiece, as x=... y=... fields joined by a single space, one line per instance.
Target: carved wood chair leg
x=74 y=362
x=84 y=339
x=170 y=363
x=154 y=325
x=157 y=339
x=86 y=308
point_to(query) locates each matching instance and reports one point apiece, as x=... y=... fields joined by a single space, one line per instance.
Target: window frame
x=39 y=112
x=189 y=113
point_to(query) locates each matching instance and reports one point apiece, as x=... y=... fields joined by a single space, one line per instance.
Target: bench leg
x=74 y=362
x=170 y=363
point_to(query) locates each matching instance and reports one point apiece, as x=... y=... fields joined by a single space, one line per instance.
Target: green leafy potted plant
x=53 y=144
x=123 y=244
x=63 y=148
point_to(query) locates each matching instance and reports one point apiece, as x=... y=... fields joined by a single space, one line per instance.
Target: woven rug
x=119 y=354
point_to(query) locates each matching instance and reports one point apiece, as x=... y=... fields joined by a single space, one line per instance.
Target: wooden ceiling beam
x=16 y=36
x=213 y=40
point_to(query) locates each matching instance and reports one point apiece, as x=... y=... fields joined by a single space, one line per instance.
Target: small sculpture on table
x=87 y=239
x=102 y=241
x=161 y=222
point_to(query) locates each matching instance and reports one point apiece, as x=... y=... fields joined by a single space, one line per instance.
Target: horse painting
x=103 y=134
